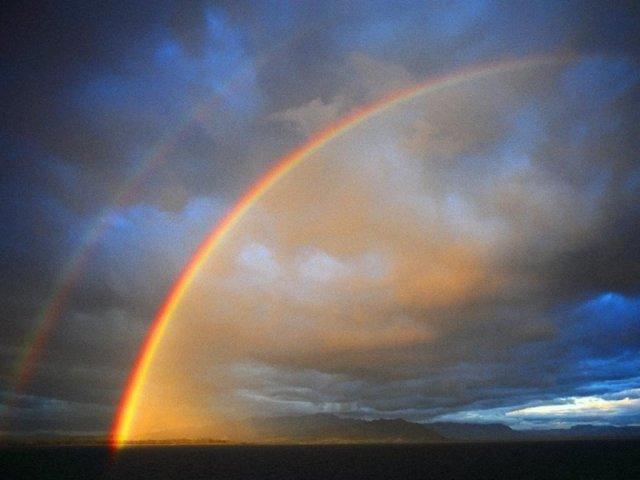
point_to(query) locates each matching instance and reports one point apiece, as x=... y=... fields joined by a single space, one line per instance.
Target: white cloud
x=260 y=260
x=320 y=267
x=580 y=407
x=312 y=116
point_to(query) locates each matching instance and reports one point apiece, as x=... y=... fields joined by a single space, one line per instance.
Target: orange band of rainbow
x=125 y=412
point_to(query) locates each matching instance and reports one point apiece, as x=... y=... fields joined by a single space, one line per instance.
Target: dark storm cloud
x=610 y=259
x=189 y=25
x=98 y=86
x=37 y=228
x=78 y=116
x=52 y=49
x=90 y=89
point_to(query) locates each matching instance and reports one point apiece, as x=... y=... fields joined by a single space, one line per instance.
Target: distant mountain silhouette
x=500 y=432
x=326 y=428
x=592 y=431
x=475 y=431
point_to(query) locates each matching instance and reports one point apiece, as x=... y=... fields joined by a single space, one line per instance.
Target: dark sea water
x=536 y=460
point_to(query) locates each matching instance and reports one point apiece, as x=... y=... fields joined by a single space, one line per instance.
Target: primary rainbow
x=126 y=410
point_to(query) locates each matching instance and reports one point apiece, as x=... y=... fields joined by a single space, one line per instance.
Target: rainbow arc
x=129 y=402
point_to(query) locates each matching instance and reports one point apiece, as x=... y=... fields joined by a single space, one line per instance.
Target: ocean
x=523 y=460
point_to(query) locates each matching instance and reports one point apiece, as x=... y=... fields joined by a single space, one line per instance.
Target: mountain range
x=328 y=428
x=332 y=429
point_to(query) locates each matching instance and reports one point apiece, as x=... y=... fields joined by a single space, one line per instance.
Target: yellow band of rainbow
x=126 y=410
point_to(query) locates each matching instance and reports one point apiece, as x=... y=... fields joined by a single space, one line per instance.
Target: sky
x=470 y=255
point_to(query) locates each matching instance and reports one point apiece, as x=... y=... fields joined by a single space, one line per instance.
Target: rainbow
x=126 y=410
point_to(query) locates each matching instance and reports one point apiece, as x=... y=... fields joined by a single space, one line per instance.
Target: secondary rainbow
x=76 y=266
x=125 y=413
